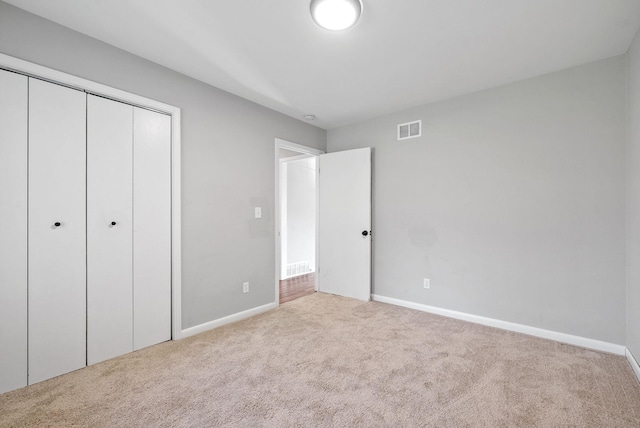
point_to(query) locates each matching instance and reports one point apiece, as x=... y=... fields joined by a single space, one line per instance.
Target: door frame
x=303 y=150
x=44 y=73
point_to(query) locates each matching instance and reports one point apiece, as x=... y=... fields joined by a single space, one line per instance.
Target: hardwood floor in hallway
x=298 y=286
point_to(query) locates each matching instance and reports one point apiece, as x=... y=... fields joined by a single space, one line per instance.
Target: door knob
x=113 y=223
x=57 y=224
x=365 y=233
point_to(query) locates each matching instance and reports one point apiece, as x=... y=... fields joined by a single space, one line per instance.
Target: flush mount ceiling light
x=336 y=15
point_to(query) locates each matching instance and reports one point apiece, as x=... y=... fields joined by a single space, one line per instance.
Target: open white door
x=344 y=250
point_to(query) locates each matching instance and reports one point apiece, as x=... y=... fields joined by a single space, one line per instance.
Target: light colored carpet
x=329 y=361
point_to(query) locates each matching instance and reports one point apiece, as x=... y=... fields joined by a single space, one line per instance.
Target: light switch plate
x=258 y=211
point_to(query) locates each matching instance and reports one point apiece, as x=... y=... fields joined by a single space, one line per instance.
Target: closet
x=85 y=220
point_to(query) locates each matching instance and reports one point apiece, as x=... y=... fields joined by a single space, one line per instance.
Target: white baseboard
x=505 y=325
x=191 y=331
x=633 y=363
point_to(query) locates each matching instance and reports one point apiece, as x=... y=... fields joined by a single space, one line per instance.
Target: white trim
x=288 y=145
x=283 y=235
x=317 y=265
x=176 y=227
x=284 y=144
x=191 y=331
x=633 y=363
x=505 y=325
x=58 y=77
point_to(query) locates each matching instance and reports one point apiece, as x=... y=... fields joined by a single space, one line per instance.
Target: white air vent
x=409 y=130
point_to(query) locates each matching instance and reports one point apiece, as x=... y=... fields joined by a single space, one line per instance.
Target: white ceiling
x=401 y=54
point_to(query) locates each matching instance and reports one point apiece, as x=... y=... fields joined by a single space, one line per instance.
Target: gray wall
x=512 y=202
x=227 y=162
x=633 y=199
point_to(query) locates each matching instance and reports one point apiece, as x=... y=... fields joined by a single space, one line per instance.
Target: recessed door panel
x=57 y=230
x=13 y=231
x=109 y=229
x=151 y=228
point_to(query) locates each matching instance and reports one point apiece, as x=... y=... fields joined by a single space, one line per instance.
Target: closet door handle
x=57 y=224
x=113 y=223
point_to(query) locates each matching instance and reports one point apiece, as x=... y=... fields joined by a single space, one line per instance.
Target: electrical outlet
x=245 y=287
x=427 y=283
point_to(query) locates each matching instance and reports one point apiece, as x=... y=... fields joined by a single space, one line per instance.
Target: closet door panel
x=57 y=254
x=151 y=228
x=109 y=246
x=13 y=231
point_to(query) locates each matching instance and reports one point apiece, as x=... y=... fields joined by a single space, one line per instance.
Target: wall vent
x=409 y=130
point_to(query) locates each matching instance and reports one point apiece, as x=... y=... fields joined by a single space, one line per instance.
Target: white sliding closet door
x=13 y=231
x=151 y=228
x=57 y=240
x=109 y=229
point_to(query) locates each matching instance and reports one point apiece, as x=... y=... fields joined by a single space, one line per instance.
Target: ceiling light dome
x=336 y=15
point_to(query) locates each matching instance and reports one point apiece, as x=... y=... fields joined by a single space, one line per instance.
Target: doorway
x=296 y=220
